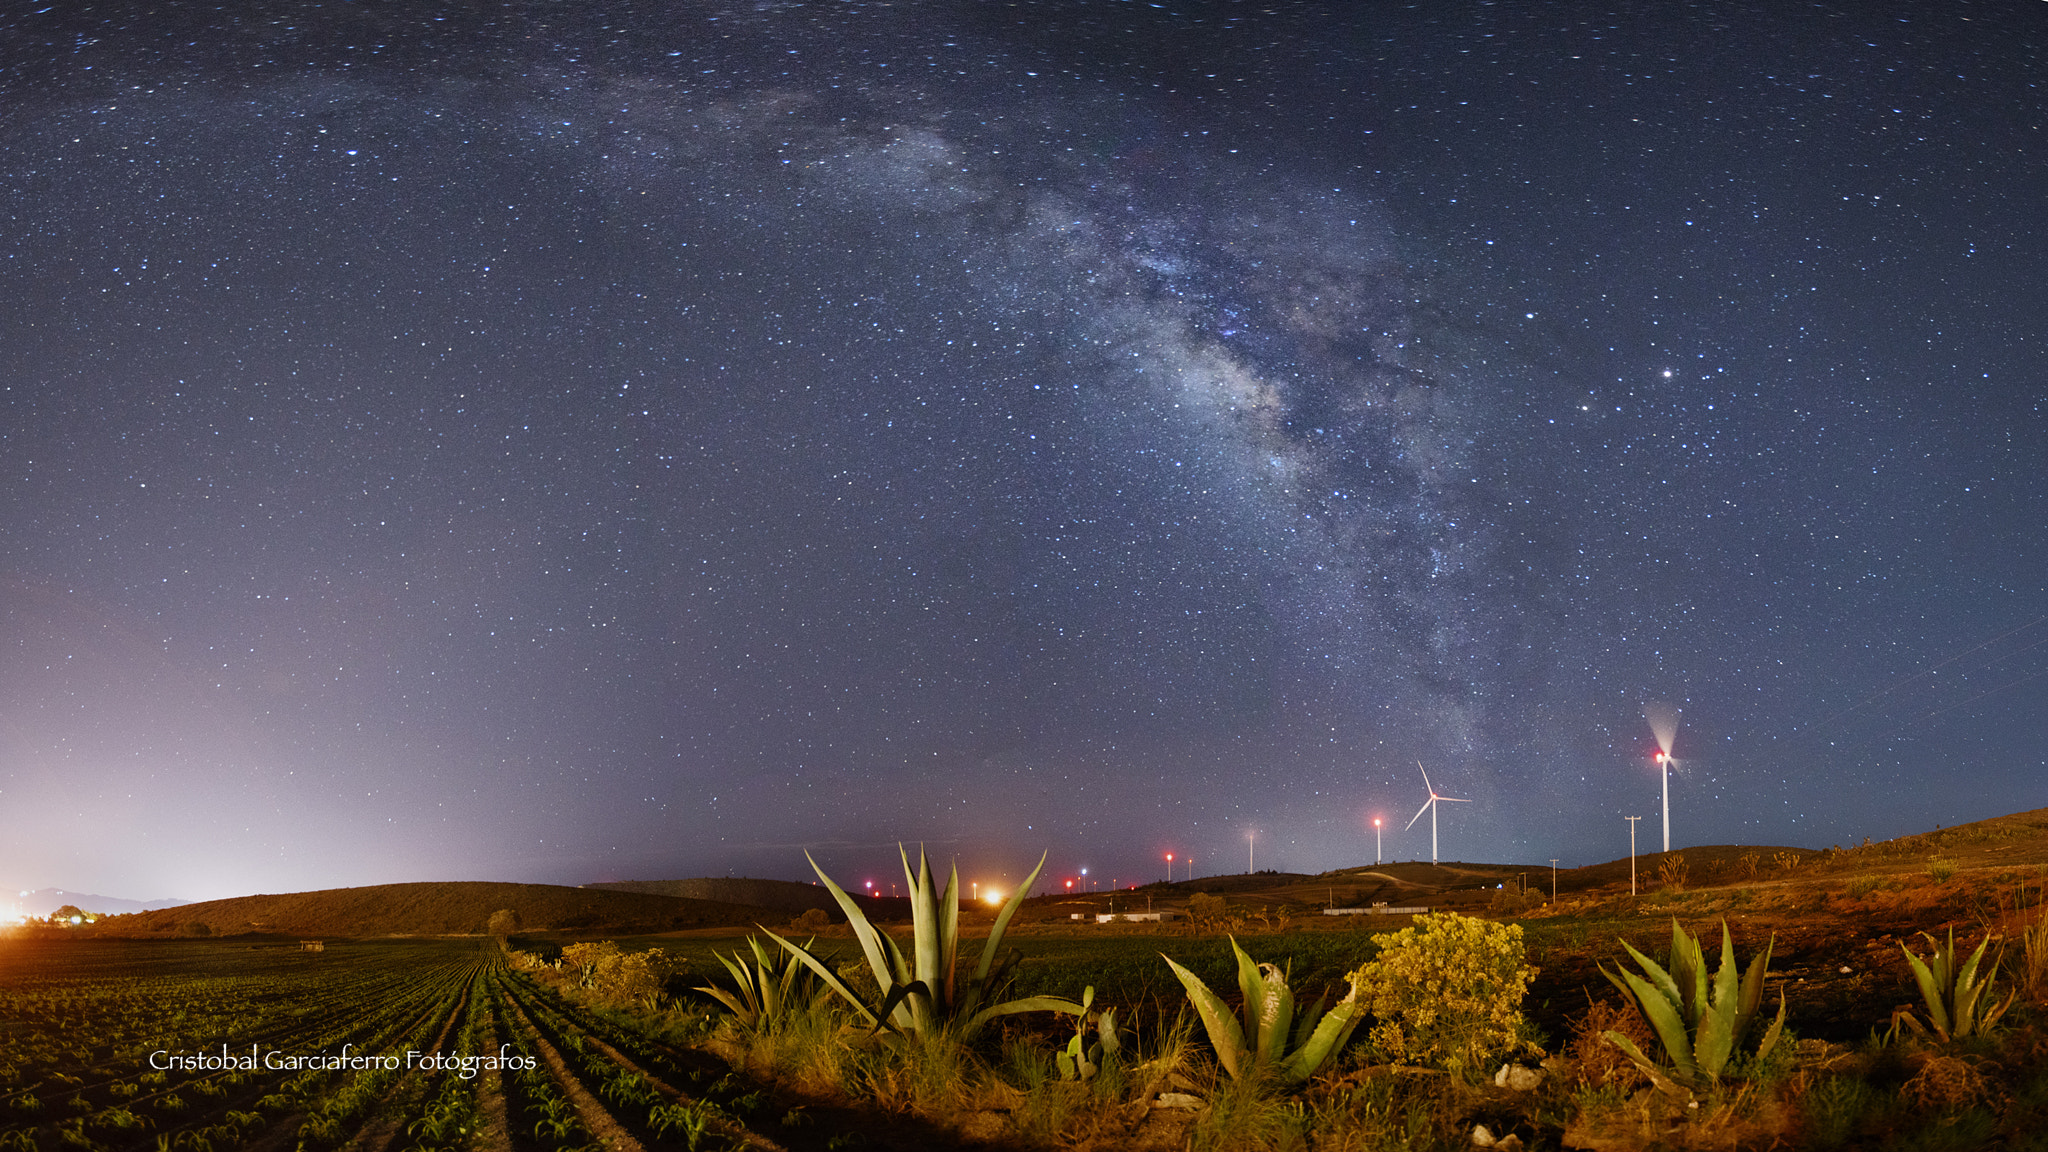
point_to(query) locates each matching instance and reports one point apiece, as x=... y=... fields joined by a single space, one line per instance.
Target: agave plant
x=768 y=989
x=1700 y=1025
x=1958 y=1005
x=1080 y=1059
x=1271 y=1039
x=922 y=994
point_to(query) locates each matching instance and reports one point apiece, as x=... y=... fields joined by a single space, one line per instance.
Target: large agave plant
x=922 y=993
x=1700 y=1024
x=1271 y=1039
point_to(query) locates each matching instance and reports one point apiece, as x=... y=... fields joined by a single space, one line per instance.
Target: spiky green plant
x=921 y=993
x=1700 y=1023
x=1270 y=1041
x=768 y=989
x=1958 y=1004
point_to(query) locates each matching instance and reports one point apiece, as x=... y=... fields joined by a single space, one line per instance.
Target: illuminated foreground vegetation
x=1413 y=1038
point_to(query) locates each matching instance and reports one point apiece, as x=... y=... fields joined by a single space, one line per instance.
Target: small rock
x=1516 y=1078
x=1176 y=1100
x=1845 y=969
x=1482 y=1136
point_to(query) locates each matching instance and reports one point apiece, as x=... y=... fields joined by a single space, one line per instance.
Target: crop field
x=191 y=1046
x=1878 y=996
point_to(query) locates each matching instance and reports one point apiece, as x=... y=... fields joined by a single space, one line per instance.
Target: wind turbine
x=1429 y=806
x=1663 y=720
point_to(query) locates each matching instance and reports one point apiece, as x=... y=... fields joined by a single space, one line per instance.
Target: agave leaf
x=1226 y=1035
x=1328 y=1038
x=1930 y=991
x=1105 y=1027
x=1251 y=989
x=882 y=955
x=1628 y=1048
x=1666 y=1021
x=1714 y=1040
x=1012 y=1007
x=1991 y=1016
x=1688 y=973
x=898 y=1001
x=949 y=936
x=928 y=951
x=1752 y=990
x=1306 y=1020
x=1275 y=1009
x=1771 y=1034
x=1970 y=993
x=741 y=1012
x=1666 y=986
x=832 y=980
x=1002 y=924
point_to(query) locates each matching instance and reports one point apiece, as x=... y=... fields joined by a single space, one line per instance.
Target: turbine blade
x=1453 y=799
x=1420 y=811
x=1425 y=778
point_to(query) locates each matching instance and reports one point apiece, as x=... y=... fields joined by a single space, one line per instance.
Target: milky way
x=648 y=440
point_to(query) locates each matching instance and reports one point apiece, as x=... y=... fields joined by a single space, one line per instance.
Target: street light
x=1169 y=867
x=1375 y=841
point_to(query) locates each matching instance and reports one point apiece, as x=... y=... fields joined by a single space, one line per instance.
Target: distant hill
x=782 y=895
x=448 y=908
x=44 y=901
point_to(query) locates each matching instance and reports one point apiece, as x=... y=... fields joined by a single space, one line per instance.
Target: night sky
x=634 y=440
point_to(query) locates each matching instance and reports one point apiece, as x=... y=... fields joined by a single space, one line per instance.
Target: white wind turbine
x=1663 y=720
x=1429 y=806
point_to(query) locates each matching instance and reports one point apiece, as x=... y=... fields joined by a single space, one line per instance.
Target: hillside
x=782 y=895
x=440 y=909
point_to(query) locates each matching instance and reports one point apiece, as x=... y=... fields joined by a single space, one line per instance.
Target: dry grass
x=1599 y=1062
x=1946 y=1083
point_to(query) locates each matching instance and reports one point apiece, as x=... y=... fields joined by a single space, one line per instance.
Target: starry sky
x=634 y=440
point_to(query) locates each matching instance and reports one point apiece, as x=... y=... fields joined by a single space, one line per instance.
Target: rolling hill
x=447 y=908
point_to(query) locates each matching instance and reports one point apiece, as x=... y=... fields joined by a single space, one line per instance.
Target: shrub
x=1673 y=871
x=1941 y=868
x=1447 y=991
x=1509 y=902
x=1204 y=909
x=1598 y=1061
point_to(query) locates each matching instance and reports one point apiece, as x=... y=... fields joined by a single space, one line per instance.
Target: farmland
x=164 y=1043
x=202 y=1046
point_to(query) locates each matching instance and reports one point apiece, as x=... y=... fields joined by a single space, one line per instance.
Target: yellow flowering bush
x=1448 y=991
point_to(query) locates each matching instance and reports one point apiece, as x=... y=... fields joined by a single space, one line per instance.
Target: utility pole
x=1553 y=880
x=1249 y=839
x=1632 y=853
x=1375 y=841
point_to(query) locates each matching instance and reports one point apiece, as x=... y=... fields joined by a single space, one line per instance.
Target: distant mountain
x=44 y=901
x=434 y=909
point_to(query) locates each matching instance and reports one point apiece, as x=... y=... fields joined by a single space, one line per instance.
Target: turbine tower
x=1429 y=806
x=1663 y=720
